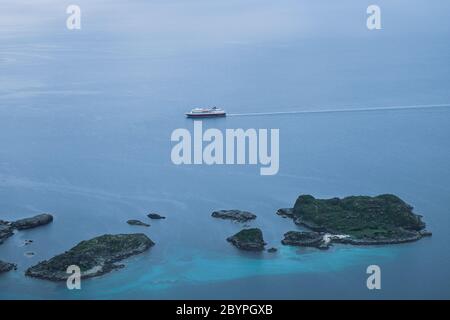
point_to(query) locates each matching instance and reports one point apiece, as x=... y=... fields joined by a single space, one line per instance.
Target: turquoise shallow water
x=198 y=268
x=86 y=119
x=149 y=279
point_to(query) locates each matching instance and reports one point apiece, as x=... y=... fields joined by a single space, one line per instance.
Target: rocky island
x=137 y=223
x=361 y=220
x=236 y=215
x=155 y=216
x=94 y=257
x=248 y=239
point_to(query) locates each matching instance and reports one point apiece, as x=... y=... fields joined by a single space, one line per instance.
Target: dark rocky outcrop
x=36 y=221
x=425 y=233
x=248 y=239
x=286 y=212
x=137 y=223
x=6 y=230
x=155 y=216
x=94 y=257
x=6 y=266
x=236 y=215
x=304 y=239
x=272 y=250
x=365 y=220
x=27 y=242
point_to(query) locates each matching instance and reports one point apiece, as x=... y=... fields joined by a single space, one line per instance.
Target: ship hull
x=205 y=115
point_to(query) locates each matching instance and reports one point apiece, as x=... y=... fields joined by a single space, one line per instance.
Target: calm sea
x=86 y=118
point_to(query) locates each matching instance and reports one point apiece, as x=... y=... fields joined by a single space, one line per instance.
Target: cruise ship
x=206 y=113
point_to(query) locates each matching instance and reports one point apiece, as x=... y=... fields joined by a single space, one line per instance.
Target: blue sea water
x=86 y=118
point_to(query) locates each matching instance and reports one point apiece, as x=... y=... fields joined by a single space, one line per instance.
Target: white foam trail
x=424 y=106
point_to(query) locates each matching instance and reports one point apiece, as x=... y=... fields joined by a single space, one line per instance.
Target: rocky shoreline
x=7 y=228
x=305 y=239
x=286 y=212
x=367 y=242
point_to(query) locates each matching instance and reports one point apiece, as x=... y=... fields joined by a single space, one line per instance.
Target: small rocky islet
x=135 y=222
x=248 y=239
x=33 y=222
x=94 y=257
x=155 y=216
x=235 y=215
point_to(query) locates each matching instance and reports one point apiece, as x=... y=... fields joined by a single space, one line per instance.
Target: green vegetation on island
x=248 y=239
x=94 y=257
x=382 y=219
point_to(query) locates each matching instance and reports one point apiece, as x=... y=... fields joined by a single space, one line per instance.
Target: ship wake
x=341 y=110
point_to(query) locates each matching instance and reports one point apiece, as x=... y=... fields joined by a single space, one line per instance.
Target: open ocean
x=86 y=118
